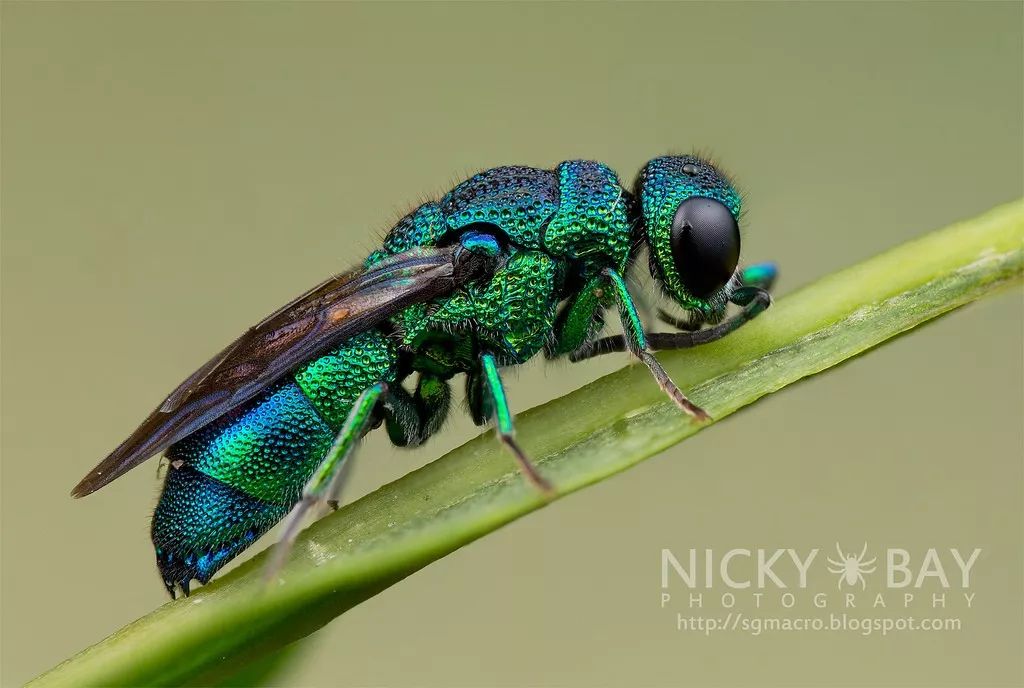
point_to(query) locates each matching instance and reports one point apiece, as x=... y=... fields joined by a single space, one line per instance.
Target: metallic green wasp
x=510 y=263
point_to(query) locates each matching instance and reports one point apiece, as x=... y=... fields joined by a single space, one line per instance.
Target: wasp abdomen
x=232 y=480
x=200 y=524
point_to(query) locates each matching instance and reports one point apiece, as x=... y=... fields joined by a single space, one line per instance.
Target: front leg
x=753 y=297
x=635 y=341
x=755 y=282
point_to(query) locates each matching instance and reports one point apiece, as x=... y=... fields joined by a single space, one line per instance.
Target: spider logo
x=851 y=569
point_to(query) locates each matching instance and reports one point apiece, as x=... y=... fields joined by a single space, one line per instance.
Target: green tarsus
x=579 y=439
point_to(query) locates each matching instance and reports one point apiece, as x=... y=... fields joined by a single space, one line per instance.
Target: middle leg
x=486 y=396
x=411 y=419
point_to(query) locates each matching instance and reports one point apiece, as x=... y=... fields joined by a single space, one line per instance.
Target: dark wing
x=321 y=318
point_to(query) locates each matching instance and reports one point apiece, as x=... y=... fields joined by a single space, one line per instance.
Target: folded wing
x=341 y=307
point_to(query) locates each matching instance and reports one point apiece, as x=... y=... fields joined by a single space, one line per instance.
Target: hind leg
x=327 y=479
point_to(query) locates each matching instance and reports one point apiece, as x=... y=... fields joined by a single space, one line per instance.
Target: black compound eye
x=705 y=245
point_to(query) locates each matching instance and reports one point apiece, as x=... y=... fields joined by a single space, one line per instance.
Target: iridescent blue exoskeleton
x=510 y=263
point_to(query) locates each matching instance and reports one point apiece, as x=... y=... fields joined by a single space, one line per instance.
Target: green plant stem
x=579 y=439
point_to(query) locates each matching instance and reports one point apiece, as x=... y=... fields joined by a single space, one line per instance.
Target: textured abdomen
x=232 y=480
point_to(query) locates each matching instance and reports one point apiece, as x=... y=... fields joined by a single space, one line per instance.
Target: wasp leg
x=753 y=297
x=688 y=325
x=489 y=400
x=579 y=322
x=754 y=301
x=401 y=418
x=411 y=419
x=325 y=484
x=758 y=275
x=476 y=398
x=635 y=340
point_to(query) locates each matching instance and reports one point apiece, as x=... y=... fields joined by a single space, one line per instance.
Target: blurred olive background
x=172 y=172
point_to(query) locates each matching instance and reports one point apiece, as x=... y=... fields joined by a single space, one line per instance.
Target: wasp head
x=690 y=213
